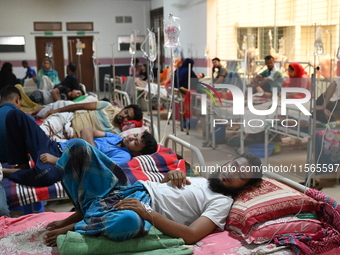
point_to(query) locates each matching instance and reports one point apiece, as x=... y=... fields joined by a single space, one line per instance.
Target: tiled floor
x=288 y=155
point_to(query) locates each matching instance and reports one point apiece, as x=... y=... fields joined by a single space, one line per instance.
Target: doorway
x=50 y=47
x=84 y=62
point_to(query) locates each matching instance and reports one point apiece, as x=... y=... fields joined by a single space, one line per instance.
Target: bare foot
x=73 y=218
x=50 y=239
x=47 y=158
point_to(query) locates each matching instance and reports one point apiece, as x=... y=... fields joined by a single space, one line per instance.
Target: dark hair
x=72 y=66
x=216 y=59
x=254 y=161
x=137 y=61
x=150 y=143
x=24 y=62
x=291 y=67
x=8 y=93
x=48 y=59
x=6 y=67
x=137 y=111
x=268 y=57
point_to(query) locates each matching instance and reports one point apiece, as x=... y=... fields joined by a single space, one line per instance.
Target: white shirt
x=187 y=204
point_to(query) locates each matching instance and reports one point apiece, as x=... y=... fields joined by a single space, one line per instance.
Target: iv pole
x=159 y=84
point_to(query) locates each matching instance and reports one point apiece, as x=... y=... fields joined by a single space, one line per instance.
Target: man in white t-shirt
x=190 y=210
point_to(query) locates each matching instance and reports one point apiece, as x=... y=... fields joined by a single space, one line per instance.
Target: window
x=124 y=42
x=79 y=26
x=47 y=26
x=260 y=38
x=12 y=44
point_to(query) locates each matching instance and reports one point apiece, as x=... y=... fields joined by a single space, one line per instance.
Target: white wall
x=193 y=35
x=17 y=17
x=155 y=4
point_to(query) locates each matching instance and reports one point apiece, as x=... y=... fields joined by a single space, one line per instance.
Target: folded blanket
x=324 y=240
x=74 y=243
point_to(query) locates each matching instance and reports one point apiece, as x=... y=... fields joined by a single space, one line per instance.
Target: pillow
x=265 y=231
x=266 y=200
x=153 y=167
x=133 y=131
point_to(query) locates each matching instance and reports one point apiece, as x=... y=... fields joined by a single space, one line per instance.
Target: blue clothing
x=182 y=73
x=108 y=146
x=4 y=109
x=26 y=136
x=30 y=72
x=82 y=165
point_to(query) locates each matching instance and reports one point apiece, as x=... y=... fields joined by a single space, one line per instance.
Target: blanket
x=325 y=239
x=19 y=195
x=153 y=167
x=225 y=242
x=24 y=235
x=77 y=244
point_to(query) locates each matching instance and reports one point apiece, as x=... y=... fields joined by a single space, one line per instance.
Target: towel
x=74 y=243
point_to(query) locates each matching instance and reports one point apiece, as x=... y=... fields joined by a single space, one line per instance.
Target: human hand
x=50 y=113
x=132 y=204
x=177 y=178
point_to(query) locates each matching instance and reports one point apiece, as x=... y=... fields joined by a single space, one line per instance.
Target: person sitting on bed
x=69 y=120
x=182 y=73
x=47 y=77
x=10 y=99
x=268 y=79
x=298 y=78
x=105 y=207
x=25 y=136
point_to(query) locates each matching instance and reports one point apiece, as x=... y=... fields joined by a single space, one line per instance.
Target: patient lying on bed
x=66 y=122
x=189 y=211
x=24 y=136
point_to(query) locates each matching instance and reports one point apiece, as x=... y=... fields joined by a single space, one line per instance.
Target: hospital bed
x=226 y=241
x=29 y=199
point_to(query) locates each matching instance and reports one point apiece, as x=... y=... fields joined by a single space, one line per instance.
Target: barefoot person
x=25 y=136
x=105 y=207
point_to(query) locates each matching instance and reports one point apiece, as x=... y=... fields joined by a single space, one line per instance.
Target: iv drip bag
x=79 y=47
x=171 y=32
x=132 y=48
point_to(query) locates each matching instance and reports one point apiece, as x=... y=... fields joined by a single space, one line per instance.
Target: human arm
x=74 y=107
x=200 y=228
x=55 y=94
x=221 y=75
x=89 y=134
x=177 y=178
x=219 y=79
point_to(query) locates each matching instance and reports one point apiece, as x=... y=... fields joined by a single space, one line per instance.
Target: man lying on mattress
x=69 y=120
x=104 y=206
x=25 y=136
